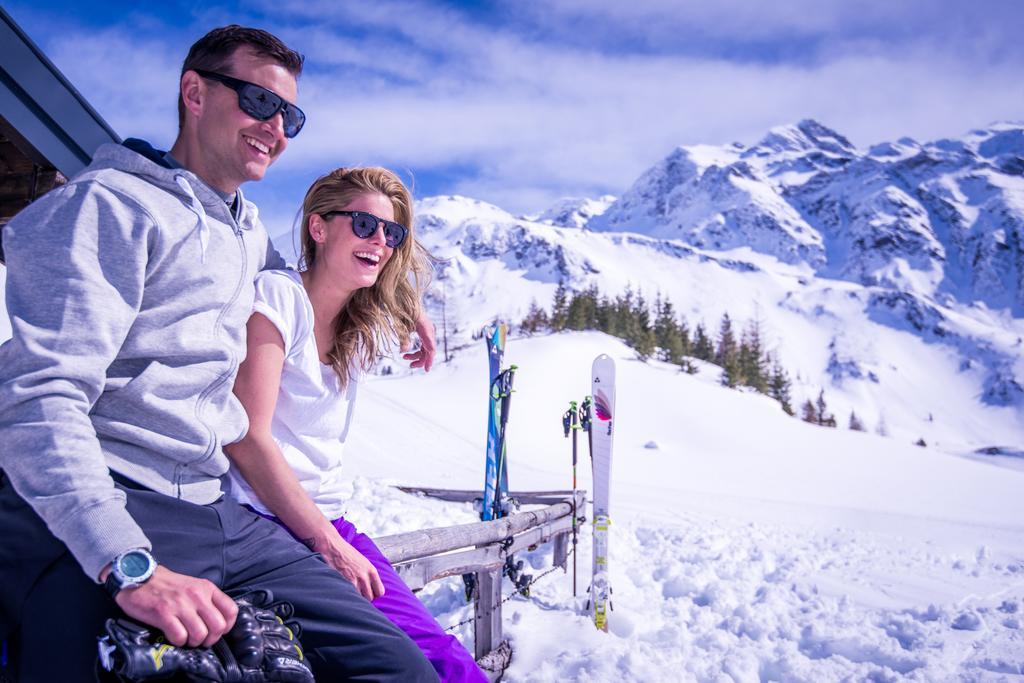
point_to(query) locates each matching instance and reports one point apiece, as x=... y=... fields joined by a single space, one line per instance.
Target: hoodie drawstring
x=197 y=207
x=245 y=211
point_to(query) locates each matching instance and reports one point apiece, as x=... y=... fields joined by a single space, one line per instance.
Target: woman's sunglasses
x=364 y=225
x=260 y=103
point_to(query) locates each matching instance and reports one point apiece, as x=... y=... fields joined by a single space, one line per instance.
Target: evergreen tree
x=669 y=333
x=560 y=308
x=536 y=319
x=824 y=417
x=855 y=423
x=779 y=387
x=624 y=316
x=882 y=429
x=727 y=354
x=726 y=341
x=703 y=349
x=684 y=338
x=576 y=316
x=593 y=303
x=643 y=340
x=606 y=317
x=809 y=412
x=582 y=314
x=732 y=376
x=753 y=360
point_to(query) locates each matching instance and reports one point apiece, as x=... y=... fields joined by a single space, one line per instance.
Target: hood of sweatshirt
x=140 y=158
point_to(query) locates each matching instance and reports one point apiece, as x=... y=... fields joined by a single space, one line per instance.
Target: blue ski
x=495 y=339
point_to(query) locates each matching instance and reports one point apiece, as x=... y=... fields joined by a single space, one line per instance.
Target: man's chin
x=255 y=172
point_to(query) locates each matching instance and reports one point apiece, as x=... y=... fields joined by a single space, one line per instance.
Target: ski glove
x=262 y=647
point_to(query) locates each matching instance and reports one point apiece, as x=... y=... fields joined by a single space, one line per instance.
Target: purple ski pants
x=451 y=661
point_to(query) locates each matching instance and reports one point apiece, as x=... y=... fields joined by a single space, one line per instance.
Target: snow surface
x=749 y=546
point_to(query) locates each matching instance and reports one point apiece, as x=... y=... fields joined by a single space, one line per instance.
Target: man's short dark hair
x=213 y=52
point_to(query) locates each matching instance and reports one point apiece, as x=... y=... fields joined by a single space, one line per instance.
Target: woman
x=311 y=335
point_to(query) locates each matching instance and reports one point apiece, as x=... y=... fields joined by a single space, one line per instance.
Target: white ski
x=601 y=433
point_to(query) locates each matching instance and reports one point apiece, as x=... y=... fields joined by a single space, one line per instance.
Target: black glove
x=264 y=642
x=260 y=648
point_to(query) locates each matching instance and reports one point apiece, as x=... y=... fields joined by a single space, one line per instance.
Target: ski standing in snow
x=495 y=339
x=601 y=433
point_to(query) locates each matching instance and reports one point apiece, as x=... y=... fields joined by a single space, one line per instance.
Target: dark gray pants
x=52 y=613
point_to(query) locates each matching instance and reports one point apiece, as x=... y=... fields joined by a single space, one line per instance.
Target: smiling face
x=350 y=262
x=232 y=147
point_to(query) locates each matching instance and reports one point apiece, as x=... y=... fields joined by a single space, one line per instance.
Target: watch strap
x=112 y=585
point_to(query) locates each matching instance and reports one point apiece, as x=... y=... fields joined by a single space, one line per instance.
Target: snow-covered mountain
x=945 y=217
x=892 y=278
x=575 y=212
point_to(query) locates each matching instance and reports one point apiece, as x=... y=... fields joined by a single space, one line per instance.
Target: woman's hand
x=351 y=564
x=423 y=357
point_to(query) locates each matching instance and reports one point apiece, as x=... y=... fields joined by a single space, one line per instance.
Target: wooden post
x=561 y=550
x=487 y=623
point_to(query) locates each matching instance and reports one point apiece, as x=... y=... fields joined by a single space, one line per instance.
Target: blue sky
x=520 y=103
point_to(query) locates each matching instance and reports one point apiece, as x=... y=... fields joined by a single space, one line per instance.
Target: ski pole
x=585 y=410
x=571 y=423
x=584 y=417
x=502 y=389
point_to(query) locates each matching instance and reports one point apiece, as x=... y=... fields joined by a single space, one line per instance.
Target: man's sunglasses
x=260 y=103
x=364 y=225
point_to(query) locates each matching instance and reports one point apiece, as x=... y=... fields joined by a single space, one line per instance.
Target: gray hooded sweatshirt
x=128 y=291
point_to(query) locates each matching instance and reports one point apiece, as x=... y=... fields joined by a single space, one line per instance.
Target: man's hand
x=191 y=612
x=351 y=564
x=423 y=357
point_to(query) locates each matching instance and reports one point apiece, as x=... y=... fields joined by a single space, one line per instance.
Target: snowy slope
x=748 y=546
x=947 y=372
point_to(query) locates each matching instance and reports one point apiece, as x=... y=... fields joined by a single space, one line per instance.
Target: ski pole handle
x=584 y=414
x=567 y=419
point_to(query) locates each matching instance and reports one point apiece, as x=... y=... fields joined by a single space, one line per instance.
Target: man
x=128 y=291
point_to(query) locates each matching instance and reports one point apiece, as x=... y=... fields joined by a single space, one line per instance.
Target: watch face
x=133 y=565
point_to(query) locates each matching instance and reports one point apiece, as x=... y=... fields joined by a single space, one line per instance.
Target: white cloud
x=578 y=120
x=414 y=86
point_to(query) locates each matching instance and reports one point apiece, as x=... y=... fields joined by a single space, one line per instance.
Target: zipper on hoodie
x=218 y=328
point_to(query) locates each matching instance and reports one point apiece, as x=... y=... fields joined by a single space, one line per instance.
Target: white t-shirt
x=312 y=415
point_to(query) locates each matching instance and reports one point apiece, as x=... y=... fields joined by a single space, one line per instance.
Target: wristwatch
x=130 y=569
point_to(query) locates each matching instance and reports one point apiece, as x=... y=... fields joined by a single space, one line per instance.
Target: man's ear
x=193 y=92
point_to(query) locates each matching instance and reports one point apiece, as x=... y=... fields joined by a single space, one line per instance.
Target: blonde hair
x=376 y=316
